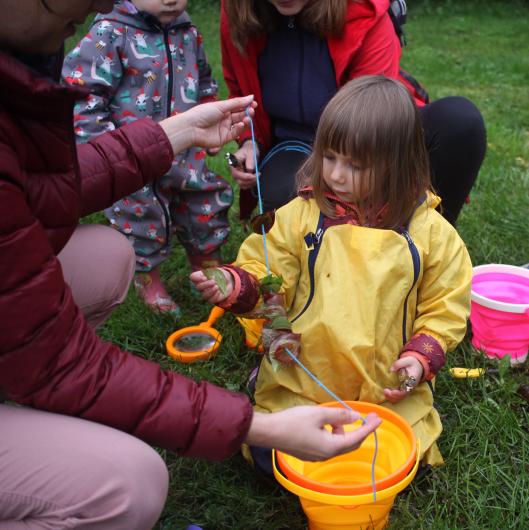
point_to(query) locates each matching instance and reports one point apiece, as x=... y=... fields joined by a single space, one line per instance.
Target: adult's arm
x=120 y=162
x=379 y=52
x=52 y=360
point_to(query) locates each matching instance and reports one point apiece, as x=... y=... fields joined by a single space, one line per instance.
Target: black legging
x=456 y=141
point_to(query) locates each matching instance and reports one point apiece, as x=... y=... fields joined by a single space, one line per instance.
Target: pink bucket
x=500 y=311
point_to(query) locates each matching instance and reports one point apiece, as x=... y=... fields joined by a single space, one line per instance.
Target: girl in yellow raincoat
x=374 y=280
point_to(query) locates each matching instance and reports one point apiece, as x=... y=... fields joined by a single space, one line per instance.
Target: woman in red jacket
x=293 y=55
x=58 y=470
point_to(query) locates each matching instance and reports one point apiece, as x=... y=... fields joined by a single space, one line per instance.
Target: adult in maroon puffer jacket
x=58 y=470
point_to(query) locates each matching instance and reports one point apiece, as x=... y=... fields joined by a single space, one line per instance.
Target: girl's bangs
x=346 y=134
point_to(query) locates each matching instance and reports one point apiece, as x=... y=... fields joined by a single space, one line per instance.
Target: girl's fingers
x=394 y=396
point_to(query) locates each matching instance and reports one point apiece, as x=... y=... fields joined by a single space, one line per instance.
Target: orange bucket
x=325 y=511
x=350 y=474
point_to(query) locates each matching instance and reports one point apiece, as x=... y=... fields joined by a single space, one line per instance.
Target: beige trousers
x=59 y=472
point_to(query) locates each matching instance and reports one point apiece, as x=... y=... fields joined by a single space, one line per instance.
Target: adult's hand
x=209 y=125
x=300 y=431
x=244 y=172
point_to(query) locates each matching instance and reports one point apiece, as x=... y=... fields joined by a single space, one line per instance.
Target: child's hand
x=209 y=289
x=413 y=368
x=244 y=172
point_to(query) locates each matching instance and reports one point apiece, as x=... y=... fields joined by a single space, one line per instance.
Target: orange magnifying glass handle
x=214 y=315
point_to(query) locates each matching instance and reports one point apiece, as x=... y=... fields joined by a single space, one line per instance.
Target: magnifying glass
x=195 y=343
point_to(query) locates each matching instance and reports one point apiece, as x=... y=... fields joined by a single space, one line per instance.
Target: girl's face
x=166 y=11
x=41 y=26
x=344 y=177
x=289 y=8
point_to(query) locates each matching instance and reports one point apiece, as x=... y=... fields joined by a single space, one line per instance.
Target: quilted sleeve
x=52 y=360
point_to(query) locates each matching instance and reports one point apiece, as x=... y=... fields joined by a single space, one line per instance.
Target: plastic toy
x=500 y=311
x=346 y=474
x=332 y=511
x=196 y=343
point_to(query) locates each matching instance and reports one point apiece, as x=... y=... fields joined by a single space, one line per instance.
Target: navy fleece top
x=297 y=80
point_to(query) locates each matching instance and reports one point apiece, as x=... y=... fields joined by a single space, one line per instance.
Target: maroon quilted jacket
x=50 y=358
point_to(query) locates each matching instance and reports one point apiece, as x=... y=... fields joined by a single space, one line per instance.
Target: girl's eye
x=328 y=156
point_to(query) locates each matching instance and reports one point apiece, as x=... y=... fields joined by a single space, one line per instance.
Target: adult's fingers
x=238 y=105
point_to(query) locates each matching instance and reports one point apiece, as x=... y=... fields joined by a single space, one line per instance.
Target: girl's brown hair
x=374 y=121
x=247 y=18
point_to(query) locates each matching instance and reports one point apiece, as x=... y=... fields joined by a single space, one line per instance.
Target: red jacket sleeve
x=379 y=52
x=131 y=156
x=52 y=360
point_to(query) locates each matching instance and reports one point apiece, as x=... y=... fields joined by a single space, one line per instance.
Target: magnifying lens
x=196 y=343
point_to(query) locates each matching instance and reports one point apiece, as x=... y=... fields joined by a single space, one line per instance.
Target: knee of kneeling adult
x=467 y=119
x=124 y=256
x=123 y=263
x=139 y=491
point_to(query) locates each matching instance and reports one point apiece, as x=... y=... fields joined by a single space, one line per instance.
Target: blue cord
x=344 y=404
x=309 y=373
x=258 y=180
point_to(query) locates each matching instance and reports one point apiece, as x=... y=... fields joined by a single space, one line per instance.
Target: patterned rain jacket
x=135 y=68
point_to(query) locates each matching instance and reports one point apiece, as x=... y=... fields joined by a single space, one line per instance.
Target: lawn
x=474 y=49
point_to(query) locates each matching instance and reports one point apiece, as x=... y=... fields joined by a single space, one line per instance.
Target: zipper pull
x=290 y=22
x=312 y=239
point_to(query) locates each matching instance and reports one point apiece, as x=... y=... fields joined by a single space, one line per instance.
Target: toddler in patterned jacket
x=146 y=58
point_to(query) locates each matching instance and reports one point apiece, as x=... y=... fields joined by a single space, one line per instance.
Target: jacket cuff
x=429 y=349
x=245 y=293
x=225 y=413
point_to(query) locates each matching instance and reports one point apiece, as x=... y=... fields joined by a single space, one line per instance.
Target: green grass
x=475 y=49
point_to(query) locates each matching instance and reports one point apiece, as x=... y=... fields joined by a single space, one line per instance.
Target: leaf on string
x=217 y=275
x=266 y=219
x=270 y=283
x=280 y=322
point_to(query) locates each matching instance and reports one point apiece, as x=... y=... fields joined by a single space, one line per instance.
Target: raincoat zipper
x=313 y=238
x=416 y=269
x=168 y=115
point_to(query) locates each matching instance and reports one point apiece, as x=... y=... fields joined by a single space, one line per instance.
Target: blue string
x=258 y=180
x=308 y=372
x=344 y=404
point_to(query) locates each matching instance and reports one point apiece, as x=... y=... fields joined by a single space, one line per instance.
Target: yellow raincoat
x=369 y=286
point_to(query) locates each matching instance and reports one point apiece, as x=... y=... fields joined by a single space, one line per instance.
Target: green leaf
x=280 y=322
x=216 y=274
x=271 y=283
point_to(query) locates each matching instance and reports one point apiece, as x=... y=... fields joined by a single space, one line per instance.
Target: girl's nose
x=338 y=174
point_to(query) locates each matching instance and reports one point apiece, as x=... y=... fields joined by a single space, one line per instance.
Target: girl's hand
x=209 y=289
x=300 y=431
x=209 y=125
x=413 y=368
x=244 y=173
